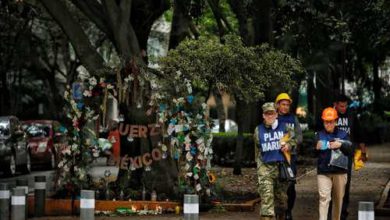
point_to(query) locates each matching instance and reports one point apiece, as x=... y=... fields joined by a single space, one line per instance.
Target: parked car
x=14 y=154
x=43 y=142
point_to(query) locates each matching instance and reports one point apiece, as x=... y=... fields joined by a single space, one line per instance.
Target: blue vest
x=269 y=140
x=344 y=123
x=288 y=119
x=324 y=155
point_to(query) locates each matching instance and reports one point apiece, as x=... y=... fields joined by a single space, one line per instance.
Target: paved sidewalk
x=367 y=185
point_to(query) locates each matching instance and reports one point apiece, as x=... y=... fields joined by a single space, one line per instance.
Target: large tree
x=244 y=72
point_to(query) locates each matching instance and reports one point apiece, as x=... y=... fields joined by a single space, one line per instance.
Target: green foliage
x=246 y=72
x=207 y=22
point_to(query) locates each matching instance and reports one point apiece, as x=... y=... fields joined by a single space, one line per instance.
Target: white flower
x=129 y=78
x=81 y=174
x=92 y=81
x=180 y=100
x=66 y=151
x=60 y=164
x=74 y=147
x=66 y=168
x=87 y=93
x=66 y=94
x=153 y=84
x=189 y=87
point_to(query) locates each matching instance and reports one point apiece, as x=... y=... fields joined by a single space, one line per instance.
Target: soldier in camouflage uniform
x=269 y=153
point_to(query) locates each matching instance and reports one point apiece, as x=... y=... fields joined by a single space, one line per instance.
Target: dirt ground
x=367 y=185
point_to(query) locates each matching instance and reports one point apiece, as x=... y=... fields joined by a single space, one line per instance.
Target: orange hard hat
x=329 y=114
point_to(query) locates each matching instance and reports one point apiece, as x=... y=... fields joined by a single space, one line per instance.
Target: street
x=367 y=185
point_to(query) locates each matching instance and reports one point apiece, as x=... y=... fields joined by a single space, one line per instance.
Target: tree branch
x=94 y=11
x=222 y=22
x=90 y=58
x=124 y=33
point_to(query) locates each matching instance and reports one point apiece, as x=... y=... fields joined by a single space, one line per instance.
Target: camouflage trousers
x=272 y=192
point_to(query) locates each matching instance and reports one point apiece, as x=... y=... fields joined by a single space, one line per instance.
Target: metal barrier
x=4 y=201
x=366 y=211
x=40 y=196
x=191 y=207
x=87 y=205
x=18 y=204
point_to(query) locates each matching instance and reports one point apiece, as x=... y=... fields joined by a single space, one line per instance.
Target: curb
x=248 y=206
x=63 y=207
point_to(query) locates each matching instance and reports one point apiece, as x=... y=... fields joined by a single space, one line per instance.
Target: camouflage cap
x=268 y=106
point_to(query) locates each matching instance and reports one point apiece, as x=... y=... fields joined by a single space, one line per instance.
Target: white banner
x=40 y=185
x=366 y=215
x=4 y=194
x=87 y=203
x=191 y=208
x=18 y=200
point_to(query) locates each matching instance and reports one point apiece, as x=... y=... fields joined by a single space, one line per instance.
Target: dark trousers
x=344 y=209
x=291 y=193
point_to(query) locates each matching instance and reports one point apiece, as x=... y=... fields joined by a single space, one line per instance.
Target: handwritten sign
x=139 y=131
x=138 y=161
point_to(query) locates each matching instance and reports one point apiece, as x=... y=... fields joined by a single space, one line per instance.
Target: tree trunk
x=240 y=8
x=242 y=121
x=377 y=85
x=180 y=24
x=220 y=109
x=4 y=95
x=310 y=95
x=90 y=58
x=56 y=99
x=324 y=93
x=262 y=21
x=151 y=10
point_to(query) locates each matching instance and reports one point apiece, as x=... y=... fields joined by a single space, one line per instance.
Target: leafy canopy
x=246 y=72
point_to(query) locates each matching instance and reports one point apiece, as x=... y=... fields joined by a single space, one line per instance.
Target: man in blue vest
x=269 y=149
x=283 y=104
x=348 y=122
